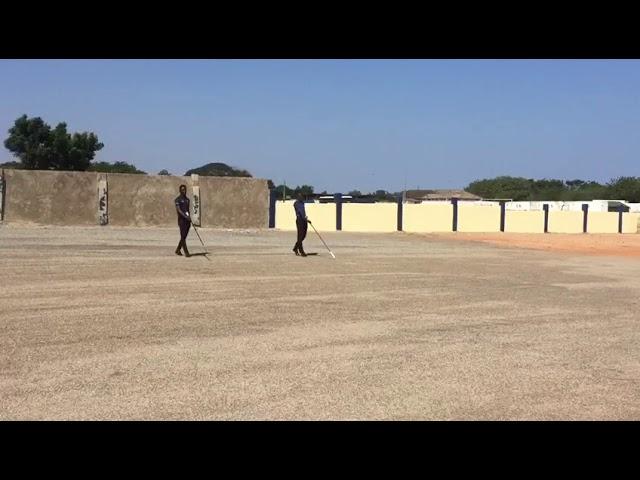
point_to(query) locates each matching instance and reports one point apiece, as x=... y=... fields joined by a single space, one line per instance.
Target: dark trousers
x=184 y=231
x=301 y=223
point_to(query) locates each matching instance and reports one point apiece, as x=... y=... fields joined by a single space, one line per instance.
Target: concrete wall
x=424 y=217
x=567 y=222
x=323 y=215
x=51 y=198
x=472 y=218
x=233 y=202
x=369 y=217
x=144 y=201
x=438 y=217
x=285 y=215
x=602 y=222
x=71 y=198
x=523 y=222
x=630 y=222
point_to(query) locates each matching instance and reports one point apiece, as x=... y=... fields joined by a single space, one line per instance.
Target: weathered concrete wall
x=233 y=202
x=71 y=198
x=50 y=198
x=144 y=200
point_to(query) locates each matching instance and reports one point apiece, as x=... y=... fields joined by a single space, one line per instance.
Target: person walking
x=184 y=220
x=301 y=224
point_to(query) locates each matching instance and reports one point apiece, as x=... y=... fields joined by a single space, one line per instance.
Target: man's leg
x=178 y=252
x=184 y=231
x=298 y=245
x=302 y=233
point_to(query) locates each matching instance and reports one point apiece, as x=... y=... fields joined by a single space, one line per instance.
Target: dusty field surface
x=627 y=245
x=107 y=323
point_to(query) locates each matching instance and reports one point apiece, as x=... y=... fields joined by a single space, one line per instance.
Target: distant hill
x=218 y=170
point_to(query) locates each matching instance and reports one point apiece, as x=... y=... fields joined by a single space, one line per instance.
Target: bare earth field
x=600 y=244
x=107 y=323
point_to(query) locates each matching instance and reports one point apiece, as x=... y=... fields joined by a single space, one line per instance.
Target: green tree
x=283 y=191
x=546 y=189
x=519 y=189
x=574 y=184
x=383 y=196
x=164 y=172
x=305 y=190
x=116 y=167
x=39 y=147
x=516 y=188
x=624 y=188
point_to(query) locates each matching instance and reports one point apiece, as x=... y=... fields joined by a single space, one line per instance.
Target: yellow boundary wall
x=523 y=222
x=567 y=222
x=369 y=217
x=323 y=215
x=423 y=217
x=630 y=223
x=602 y=222
x=478 y=218
x=426 y=218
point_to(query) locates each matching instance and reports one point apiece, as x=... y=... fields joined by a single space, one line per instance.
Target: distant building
x=419 y=196
x=345 y=199
x=573 y=206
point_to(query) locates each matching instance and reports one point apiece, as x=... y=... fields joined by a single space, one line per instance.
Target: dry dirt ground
x=610 y=244
x=107 y=323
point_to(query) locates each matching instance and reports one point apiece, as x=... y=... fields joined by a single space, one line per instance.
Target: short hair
x=185 y=187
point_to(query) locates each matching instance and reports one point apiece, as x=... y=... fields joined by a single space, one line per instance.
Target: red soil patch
x=621 y=245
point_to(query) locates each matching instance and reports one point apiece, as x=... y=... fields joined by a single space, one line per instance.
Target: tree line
x=38 y=146
x=528 y=189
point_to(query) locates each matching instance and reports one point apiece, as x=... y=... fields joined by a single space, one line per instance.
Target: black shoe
x=295 y=250
x=302 y=253
x=186 y=252
x=178 y=252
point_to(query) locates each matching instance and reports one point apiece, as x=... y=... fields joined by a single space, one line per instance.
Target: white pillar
x=103 y=200
x=195 y=217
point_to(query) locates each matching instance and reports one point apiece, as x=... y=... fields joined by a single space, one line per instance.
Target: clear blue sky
x=345 y=124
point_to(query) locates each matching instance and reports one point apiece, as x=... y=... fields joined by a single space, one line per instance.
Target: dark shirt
x=183 y=205
x=299 y=208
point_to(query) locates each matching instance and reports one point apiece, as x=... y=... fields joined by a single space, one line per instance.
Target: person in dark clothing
x=184 y=220
x=301 y=224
